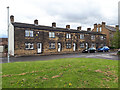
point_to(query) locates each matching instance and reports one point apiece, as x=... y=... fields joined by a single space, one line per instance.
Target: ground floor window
x=68 y=45
x=29 y=46
x=52 y=45
x=82 y=45
x=102 y=45
x=93 y=45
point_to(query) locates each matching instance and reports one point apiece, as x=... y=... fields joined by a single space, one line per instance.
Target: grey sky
x=74 y=12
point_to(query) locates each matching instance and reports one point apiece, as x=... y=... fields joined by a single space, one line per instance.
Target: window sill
x=52 y=48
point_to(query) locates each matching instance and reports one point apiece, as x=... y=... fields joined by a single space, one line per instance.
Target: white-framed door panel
x=39 y=47
x=59 y=47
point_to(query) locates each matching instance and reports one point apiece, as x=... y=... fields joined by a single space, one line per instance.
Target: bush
x=118 y=53
x=112 y=47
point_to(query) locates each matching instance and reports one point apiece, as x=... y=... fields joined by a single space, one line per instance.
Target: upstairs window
x=68 y=36
x=29 y=46
x=68 y=45
x=81 y=36
x=52 y=45
x=93 y=37
x=51 y=34
x=28 y=33
x=97 y=29
x=82 y=45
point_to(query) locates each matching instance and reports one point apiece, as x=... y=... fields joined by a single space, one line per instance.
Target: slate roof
x=110 y=28
x=49 y=28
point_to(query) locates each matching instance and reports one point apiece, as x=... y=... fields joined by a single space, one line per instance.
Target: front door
x=86 y=45
x=39 y=47
x=74 y=47
x=59 y=47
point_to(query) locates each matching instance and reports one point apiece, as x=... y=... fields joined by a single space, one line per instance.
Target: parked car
x=92 y=50
x=89 y=50
x=103 y=49
x=85 y=51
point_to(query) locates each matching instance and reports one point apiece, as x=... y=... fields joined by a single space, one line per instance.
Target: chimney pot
x=103 y=23
x=54 y=24
x=88 y=29
x=36 y=22
x=67 y=26
x=79 y=28
x=12 y=19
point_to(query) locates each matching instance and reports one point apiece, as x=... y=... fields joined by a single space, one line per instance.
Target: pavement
x=102 y=55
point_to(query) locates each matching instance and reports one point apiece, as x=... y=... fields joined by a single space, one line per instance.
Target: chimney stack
x=88 y=29
x=36 y=22
x=95 y=25
x=79 y=28
x=54 y=24
x=67 y=26
x=103 y=24
x=12 y=19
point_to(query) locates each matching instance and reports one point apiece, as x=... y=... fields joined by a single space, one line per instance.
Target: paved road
x=105 y=55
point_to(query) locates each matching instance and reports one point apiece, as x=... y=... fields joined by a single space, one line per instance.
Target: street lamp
x=8 y=32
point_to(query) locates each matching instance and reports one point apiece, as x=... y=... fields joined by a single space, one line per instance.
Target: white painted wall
x=11 y=39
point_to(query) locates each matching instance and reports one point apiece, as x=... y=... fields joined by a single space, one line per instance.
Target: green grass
x=67 y=72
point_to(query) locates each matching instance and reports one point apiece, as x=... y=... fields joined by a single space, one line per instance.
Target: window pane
x=49 y=34
x=31 y=46
x=97 y=29
x=26 y=33
x=66 y=35
x=53 y=34
x=31 y=33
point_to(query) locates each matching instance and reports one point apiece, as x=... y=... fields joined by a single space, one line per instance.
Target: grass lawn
x=61 y=73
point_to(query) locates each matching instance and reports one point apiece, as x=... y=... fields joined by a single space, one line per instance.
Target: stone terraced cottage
x=34 y=39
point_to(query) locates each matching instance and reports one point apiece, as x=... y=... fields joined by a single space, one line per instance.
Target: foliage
x=118 y=53
x=61 y=73
x=115 y=42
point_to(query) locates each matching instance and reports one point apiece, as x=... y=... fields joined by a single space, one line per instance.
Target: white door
x=59 y=47
x=74 y=46
x=39 y=47
x=86 y=45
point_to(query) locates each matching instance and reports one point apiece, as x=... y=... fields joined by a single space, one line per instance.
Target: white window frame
x=68 y=45
x=82 y=45
x=97 y=29
x=93 y=45
x=81 y=36
x=29 y=46
x=68 y=36
x=52 y=45
x=93 y=37
x=28 y=33
x=51 y=34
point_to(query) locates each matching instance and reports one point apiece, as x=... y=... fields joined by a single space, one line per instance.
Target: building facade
x=32 y=39
x=105 y=29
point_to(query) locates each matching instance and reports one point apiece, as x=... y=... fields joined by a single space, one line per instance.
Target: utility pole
x=119 y=14
x=8 y=57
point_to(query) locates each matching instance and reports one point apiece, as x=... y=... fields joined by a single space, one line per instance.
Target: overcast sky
x=73 y=12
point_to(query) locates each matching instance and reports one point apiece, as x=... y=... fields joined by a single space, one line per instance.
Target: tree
x=115 y=41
